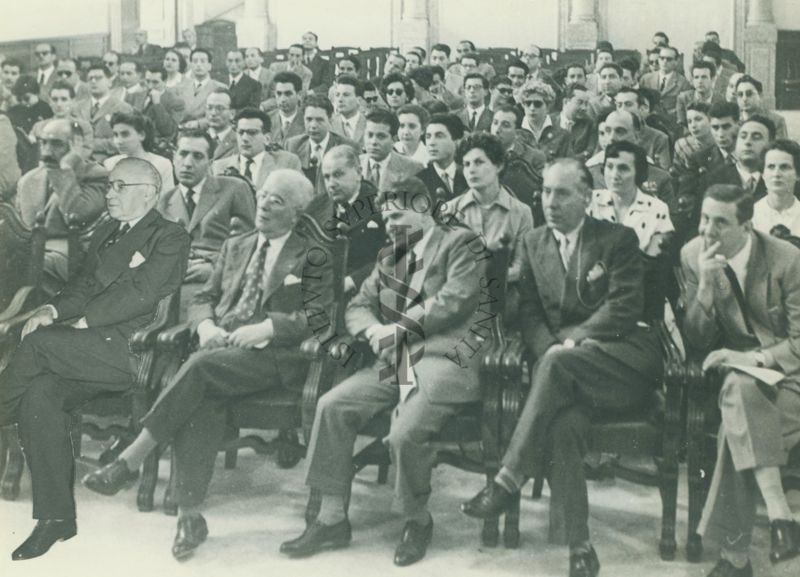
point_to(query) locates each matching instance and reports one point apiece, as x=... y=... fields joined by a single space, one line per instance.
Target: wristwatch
x=761 y=359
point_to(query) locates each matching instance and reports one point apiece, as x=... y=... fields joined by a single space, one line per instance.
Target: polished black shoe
x=318 y=537
x=584 y=564
x=43 y=536
x=785 y=538
x=413 y=544
x=111 y=478
x=192 y=531
x=492 y=501
x=725 y=568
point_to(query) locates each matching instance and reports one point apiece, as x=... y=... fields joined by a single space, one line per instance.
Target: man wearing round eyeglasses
x=75 y=348
x=64 y=183
x=256 y=159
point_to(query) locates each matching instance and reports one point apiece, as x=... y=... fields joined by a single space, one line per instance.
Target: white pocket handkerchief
x=136 y=260
x=372 y=224
x=290 y=280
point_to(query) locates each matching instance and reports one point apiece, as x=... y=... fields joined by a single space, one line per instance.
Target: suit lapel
x=758 y=278
x=428 y=257
x=244 y=251
x=115 y=260
x=583 y=258
x=268 y=164
x=208 y=198
x=287 y=260
x=175 y=208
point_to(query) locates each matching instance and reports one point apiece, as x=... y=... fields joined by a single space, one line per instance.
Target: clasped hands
x=246 y=337
x=375 y=334
x=721 y=357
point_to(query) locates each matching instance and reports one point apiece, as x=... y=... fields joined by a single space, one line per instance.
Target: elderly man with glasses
x=75 y=347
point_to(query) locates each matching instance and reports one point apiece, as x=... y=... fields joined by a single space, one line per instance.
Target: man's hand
x=709 y=264
x=198 y=271
x=42 y=318
x=250 y=336
x=716 y=359
x=211 y=336
x=376 y=333
x=155 y=96
x=71 y=160
x=653 y=247
x=349 y=285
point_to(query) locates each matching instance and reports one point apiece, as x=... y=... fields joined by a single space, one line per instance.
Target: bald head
x=133 y=189
x=620 y=125
x=566 y=193
x=284 y=195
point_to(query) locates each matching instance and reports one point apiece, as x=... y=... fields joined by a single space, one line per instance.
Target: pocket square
x=290 y=280
x=372 y=224
x=136 y=260
x=596 y=272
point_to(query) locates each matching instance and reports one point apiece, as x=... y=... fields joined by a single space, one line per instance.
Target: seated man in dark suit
x=245 y=92
x=380 y=164
x=476 y=116
x=424 y=386
x=443 y=177
x=321 y=68
x=592 y=352
x=250 y=318
x=748 y=97
x=210 y=208
x=218 y=122
x=350 y=201
x=163 y=107
x=287 y=120
x=742 y=292
x=654 y=142
x=76 y=347
x=63 y=184
x=576 y=118
x=703 y=76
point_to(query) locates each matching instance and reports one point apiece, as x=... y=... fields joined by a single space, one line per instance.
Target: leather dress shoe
x=318 y=537
x=492 y=501
x=111 y=478
x=192 y=531
x=785 y=538
x=413 y=544
x=44 y=535
x=725 y=568
x=584 y=564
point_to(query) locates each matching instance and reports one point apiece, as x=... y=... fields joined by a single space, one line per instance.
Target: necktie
x=251 y=287
x=248 y=169
x=197 y=87
x=117 y=234
x=738 y=294
x=345 y=128
x=41 y=77
x=285 y=128
x=447 y=185
x=473 y=120
x=663 y=84
x=95 y=108
x=318 y=153
x=752 y=183
x=565 y=250
x=190 y=204
x=374 y=173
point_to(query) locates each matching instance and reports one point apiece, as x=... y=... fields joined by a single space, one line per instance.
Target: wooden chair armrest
x=176 y=339
x=145 y=338
x=16 y=304
x=7 y=326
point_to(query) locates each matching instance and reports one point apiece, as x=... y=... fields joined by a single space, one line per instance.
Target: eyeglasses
x=533 y=103
x=505 y=91
x=42 y=52
x=64 y=73
x=395 y=92
x=666 y=58
x=119 y=186
x=109 y=63
x=370 y=99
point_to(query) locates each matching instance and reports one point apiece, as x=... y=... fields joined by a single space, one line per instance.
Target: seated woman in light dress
x=413 y=120
x=780 y=174
x=133 y=136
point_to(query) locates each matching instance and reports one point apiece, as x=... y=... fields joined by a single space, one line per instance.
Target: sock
x=189 y=511
x=738 y=559
x=421 y=518
x=331 y=510
x=509 y=480
x=769 y=483
x=135 y=454
x=580 y=548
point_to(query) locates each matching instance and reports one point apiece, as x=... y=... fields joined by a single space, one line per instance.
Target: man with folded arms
x=76 y=347
x=250 y=318
x=742 y=291
x=581 y=302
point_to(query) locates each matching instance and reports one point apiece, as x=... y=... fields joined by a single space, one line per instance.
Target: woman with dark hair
x=397 y=91
x=175 y=65
x=133 y=137
x=488 y=207
x=412 y=120
x=780 y=173
x=699 y=124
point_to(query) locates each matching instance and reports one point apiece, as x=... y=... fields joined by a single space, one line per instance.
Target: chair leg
x=230 y=459
x=170 y=505
x=14 y=463
x=147 y=485
x=383 y=472
x=668 y=473
x=76 y=434
x=511 y=526
x=538 y=487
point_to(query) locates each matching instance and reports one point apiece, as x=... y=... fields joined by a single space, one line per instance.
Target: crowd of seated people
x=596 y=179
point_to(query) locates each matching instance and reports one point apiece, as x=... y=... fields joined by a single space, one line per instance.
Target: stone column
x=255 y=28
x=413 y=27
x=581 y=29
x=760 y=46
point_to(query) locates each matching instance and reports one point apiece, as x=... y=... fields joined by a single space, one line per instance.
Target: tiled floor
x=252 y=509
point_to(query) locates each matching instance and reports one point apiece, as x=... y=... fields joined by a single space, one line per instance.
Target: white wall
x=499 y=23
x=787 y=14
x=23 y=19
x=631 y=23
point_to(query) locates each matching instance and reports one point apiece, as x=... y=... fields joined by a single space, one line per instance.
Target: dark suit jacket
x=557 y=305
x=727 y=174
x=772 y=297
x=436 y=187
x=656 y=145
x=449 y=283
x=103 y=145
x=669 y=96
x=583 y=136
x=399 y=168
x=222 y=199
x=282 y=298
x=296 y=128
x=166 y=115
x=245 y=93
x=484 y=121
x=60 y=192
x=119 y=287
x=227 y=146
x=555 y=142
x=301 y=147
x=321 y=74
x=366 y=230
